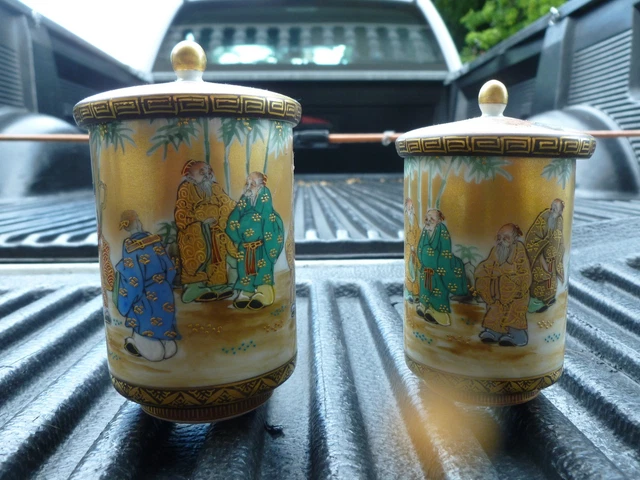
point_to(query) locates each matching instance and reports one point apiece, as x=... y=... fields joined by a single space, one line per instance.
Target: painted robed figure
x=503 y=281
x=545 y=248
x=143 y=293
x=412 y=265
x=441 y=272
x=201 y=214
x=258 y=233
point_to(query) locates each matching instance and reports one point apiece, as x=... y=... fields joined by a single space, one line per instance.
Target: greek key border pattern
x=187 y=105
x=208 y=396
x=208 y=414
x=467 y=384
x=567 y=146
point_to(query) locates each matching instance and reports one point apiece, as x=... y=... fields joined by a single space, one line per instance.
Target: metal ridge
x=351 y=408
x=336 y=216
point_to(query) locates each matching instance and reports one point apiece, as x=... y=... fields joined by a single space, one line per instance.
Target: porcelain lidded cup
x=488 y=205
x=194 y=194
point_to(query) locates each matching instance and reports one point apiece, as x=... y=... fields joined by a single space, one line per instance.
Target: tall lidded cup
x=194 y=194
x=488 y=206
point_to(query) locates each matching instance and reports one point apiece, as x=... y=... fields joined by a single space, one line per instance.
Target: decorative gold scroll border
x=462 y=383
x=208 y=396
x=564 y=146
x=187 y=105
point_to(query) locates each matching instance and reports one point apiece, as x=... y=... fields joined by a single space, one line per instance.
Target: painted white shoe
x=150 y=349
x=242 y=300
x=130 y=347
x=170 y=348
x=442 y=318
x=264 y=296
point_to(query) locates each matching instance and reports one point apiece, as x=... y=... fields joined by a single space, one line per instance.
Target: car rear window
x=363 y=36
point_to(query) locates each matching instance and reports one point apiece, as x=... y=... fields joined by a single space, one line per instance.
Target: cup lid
x=189 y=96
x=493 y=134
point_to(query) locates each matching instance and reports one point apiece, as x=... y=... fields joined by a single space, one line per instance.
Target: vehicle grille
x=71 y=93
x=10 y=82
x=369 y=43
x=352 y=409
x=335 y=216
x=600 y=77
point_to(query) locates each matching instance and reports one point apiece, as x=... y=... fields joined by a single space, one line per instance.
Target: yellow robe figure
x=412 y=266
x=545 y=248
x=201 y=217
x=505 y=289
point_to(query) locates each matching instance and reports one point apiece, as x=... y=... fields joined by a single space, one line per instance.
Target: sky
x=132 y=38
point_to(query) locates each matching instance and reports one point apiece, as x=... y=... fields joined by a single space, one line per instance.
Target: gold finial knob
x=493 y=97
x=188 y=55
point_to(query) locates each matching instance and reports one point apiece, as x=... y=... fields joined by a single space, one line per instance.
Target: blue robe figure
x=258 y=232
x=143 y=295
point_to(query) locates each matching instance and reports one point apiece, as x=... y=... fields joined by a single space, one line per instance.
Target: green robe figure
x=441 y=272
x=258 y=232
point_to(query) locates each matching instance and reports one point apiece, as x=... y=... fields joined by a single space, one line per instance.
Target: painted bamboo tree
x=168 y=231
x=176 y=132
x=279 y=136
x=468 y=253
x=204 y=124
x=480 y=169
x=454 y=167
x=230 y=130
x=560 y=169
x=252 y=130
x=411 y=166
x=105 y=135
x=433 y=166
x=470 y=256
x=476 y=170
x=113 y=134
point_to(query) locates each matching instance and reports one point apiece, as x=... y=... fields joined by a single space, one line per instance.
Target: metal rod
x=361 y=137
x=45 y=137
x=334 y=138
x=614 y=133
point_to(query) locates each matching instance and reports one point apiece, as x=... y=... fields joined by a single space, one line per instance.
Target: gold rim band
x=184 y=105
x=566 y=146
x=212 y=396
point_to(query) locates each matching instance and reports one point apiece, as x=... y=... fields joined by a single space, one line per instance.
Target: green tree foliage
x=478 y=25
x=451 y=13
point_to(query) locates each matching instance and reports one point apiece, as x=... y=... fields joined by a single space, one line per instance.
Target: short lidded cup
x=488 y=206
x=194 y=193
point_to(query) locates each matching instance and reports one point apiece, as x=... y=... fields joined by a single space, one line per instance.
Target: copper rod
x=613 y=133
x=45 y=137
x=361 y=137
x=379 y=137
x=335 y=138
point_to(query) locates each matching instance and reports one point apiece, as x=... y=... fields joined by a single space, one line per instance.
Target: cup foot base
x=211 y=414
x=487 y=399
x=486 y=392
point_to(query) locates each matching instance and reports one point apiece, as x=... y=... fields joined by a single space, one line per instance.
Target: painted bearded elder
x=503 y=281
x=258 y=232
x=441 y=272
x=143 y=293
x=412 y=269
x=545 y=248
x=201 y=214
